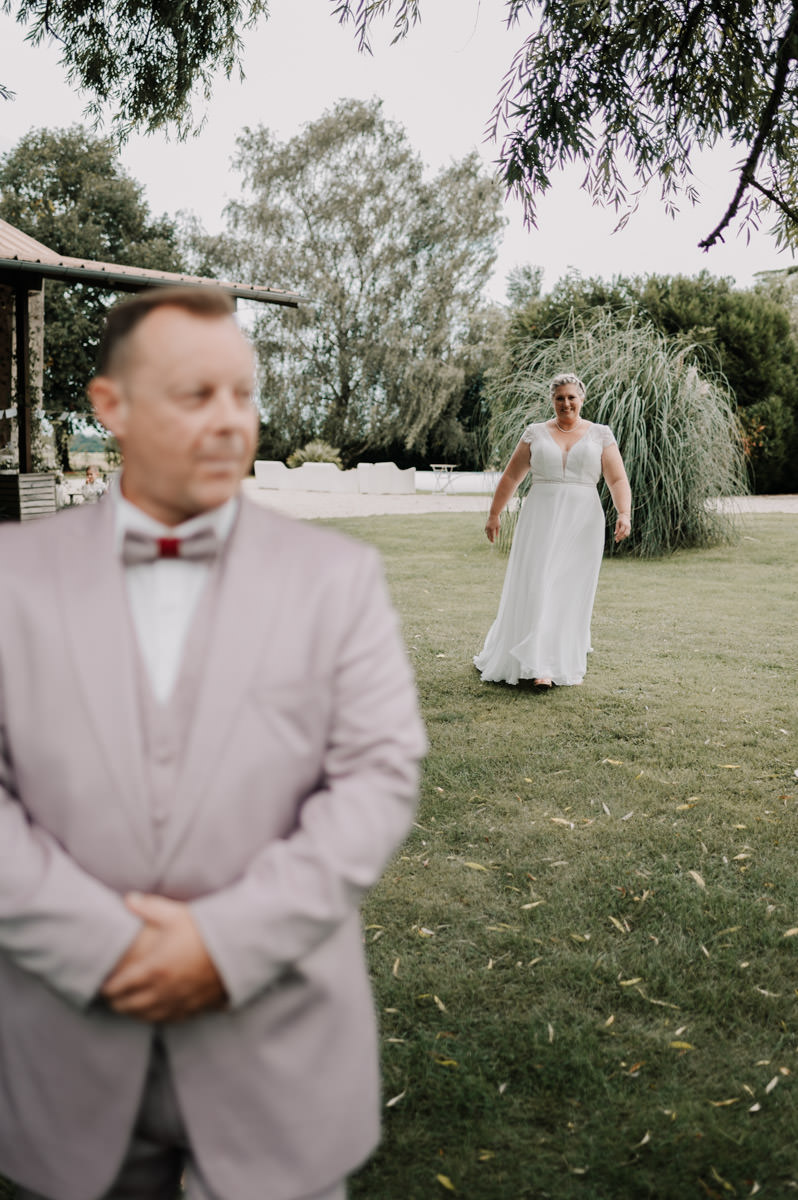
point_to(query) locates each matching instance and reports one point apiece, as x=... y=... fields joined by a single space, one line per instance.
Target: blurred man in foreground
x=183 y=850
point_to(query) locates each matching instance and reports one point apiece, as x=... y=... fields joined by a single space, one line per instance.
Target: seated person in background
x=94 y=487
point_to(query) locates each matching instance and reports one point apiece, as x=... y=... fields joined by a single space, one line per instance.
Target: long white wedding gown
x=542 y=630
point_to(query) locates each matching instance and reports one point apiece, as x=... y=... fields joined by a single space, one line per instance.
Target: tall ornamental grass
x=673 y=417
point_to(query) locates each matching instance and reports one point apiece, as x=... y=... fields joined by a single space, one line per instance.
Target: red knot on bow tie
x=138 y=548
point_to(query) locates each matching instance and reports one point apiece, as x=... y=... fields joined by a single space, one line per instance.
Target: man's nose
x=229 y=409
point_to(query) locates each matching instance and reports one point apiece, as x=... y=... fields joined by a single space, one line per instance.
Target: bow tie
x=138 y=548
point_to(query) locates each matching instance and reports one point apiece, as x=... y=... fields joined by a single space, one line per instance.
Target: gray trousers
x=159 y=1156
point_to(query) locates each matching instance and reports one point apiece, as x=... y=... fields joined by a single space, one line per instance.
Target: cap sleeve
x=531 y=433
x=606 y=436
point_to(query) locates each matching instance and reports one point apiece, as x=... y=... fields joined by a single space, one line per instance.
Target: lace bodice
x=548 y=461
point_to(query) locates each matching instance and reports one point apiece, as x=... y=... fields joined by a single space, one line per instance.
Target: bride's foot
x=542 y=683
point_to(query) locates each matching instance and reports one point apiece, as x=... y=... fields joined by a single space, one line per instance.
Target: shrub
x=674 y=420
x=315 y=452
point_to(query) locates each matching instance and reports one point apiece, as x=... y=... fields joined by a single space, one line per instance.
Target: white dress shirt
x=164 y=594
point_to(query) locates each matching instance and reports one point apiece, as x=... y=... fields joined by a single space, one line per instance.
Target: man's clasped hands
x=166 y=973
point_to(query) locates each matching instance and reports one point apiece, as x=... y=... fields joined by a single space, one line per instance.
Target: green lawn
x=582 y=958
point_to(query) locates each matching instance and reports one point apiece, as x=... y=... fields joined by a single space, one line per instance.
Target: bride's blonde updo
x=561 y=380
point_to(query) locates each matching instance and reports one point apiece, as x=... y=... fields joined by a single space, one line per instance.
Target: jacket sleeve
x=298 y=890
x=56 y=921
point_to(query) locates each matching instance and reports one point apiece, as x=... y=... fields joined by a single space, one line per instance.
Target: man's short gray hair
x=561 y=380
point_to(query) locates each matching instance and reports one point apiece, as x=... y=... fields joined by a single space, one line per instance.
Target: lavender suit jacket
x=298 y=783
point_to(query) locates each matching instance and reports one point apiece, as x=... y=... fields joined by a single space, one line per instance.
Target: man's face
x=179 y=403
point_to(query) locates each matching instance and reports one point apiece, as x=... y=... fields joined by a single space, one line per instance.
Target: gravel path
x=310 y=505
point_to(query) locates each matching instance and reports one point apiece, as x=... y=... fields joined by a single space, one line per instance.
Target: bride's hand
x=623 y=527
x=492 y=526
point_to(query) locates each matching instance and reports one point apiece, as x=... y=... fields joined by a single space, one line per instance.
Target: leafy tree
x=393 y=266
x=630 y=85
x=142 y=60
x=67 y=189
x=461 y=435
x=748 y=334
x=524 y=285
x=618 y=86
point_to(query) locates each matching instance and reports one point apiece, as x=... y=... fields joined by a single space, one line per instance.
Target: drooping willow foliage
x=672 y=415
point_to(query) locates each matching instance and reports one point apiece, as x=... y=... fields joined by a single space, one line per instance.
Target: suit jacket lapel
x=101 y=641
x=241 y=622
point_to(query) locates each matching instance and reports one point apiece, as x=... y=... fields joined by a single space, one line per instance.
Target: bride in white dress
x=542 y=630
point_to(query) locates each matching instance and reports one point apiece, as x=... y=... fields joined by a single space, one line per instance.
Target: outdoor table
x=442 y=473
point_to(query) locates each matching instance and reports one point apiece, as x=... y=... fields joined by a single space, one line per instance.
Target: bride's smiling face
x=567 y=401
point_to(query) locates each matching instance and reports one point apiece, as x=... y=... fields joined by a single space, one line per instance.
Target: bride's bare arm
x=515 y=471
x=617 y=482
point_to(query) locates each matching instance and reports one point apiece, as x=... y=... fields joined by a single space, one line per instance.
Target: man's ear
x=108 y=402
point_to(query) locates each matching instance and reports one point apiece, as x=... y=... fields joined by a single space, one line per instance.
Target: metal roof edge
x=133 y=280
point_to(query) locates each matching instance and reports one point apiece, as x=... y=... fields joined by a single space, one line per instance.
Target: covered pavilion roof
x=21 y=254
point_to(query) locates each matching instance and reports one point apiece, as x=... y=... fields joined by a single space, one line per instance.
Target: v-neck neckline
x=576 y=443
x=563 y=450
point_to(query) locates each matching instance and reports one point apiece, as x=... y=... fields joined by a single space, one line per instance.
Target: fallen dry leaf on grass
x=395 y=1099
x=698 y=878
x=651 y=1000
x=725 y=1103
x=446 y=1182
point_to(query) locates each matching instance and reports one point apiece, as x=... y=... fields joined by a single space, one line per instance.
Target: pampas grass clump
x=673 y=417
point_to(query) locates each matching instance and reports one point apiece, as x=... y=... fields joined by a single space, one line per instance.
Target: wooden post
x=22 y=338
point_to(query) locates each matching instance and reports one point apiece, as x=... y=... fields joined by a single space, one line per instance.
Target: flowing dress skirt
x=543 y=625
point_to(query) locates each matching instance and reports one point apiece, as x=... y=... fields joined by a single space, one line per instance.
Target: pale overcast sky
x=440 y=84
